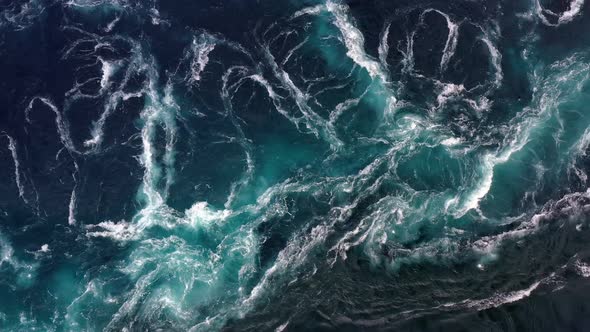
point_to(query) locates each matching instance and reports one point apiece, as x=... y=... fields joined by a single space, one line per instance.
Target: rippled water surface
x=326 y=165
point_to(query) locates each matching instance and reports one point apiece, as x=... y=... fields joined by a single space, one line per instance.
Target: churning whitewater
x=329 y=165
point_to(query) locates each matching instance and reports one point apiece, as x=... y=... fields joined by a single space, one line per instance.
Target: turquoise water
x=294 y=165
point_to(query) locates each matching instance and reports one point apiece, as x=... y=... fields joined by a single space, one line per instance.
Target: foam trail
x=170 y=127
x=111 y=92
x=295 y=254
x=451 y=141
x=97 y=131
x=451 y=43
x=121 y=231
x=242 y=140
x=112 y=24
x=72 y=208
x=17 y=173
x=496 y=300
x=159 y=112
x=314 y=122
x=292 y=51
x=315 y=10
x=490 y=160
x=384 y=45
x=113 y=99
x=565 y=17
x=496 y=58
x=274 y=97
x=201 y=48
x=354 y=41
x=408 y=54
x=108 y=69
x=73 y=199
x=63 y=128
x=344 y=106
x=572 y=12
x=172 y=254
x=549 y=95
x=499 y=300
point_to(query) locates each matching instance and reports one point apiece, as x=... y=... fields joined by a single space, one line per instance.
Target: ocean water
x=290 y=165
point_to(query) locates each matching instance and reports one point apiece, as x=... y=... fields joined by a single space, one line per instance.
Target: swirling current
x=289 y=165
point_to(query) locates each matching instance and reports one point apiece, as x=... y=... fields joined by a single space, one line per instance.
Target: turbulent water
x=242 y=165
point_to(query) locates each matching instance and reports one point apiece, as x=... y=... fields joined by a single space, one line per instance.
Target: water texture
x=293 y=165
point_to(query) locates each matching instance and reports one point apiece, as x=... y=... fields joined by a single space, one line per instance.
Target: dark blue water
x=294 y=165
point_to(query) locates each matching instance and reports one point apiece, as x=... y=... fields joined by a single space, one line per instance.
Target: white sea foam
x=72 y=208
x=451 y=141
x=569 y=205
x=372 y=231
x=315 y=10
x=275 y=98
x=108 y=69
x=384 y=45
x=582 y=269
x=450 y=45
x=319 y=126
x=201 y=47
x=344 y=106
x=282 y=327
x=504 y=298
x=449 y=90
x=73 y=198
x=17 y=172
x=120 y=231
x=548 y=94
x=489 y=162
x=114 y=96
x=452 y=38
x=572 y=12
x=496 y=59
x=295 y=254
x=61 y=122
x=242 y=140
x=354 y=40
x=200 y=214
x=294 y=49
x=566 y=17
x=408 y=54
x=112 y=24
